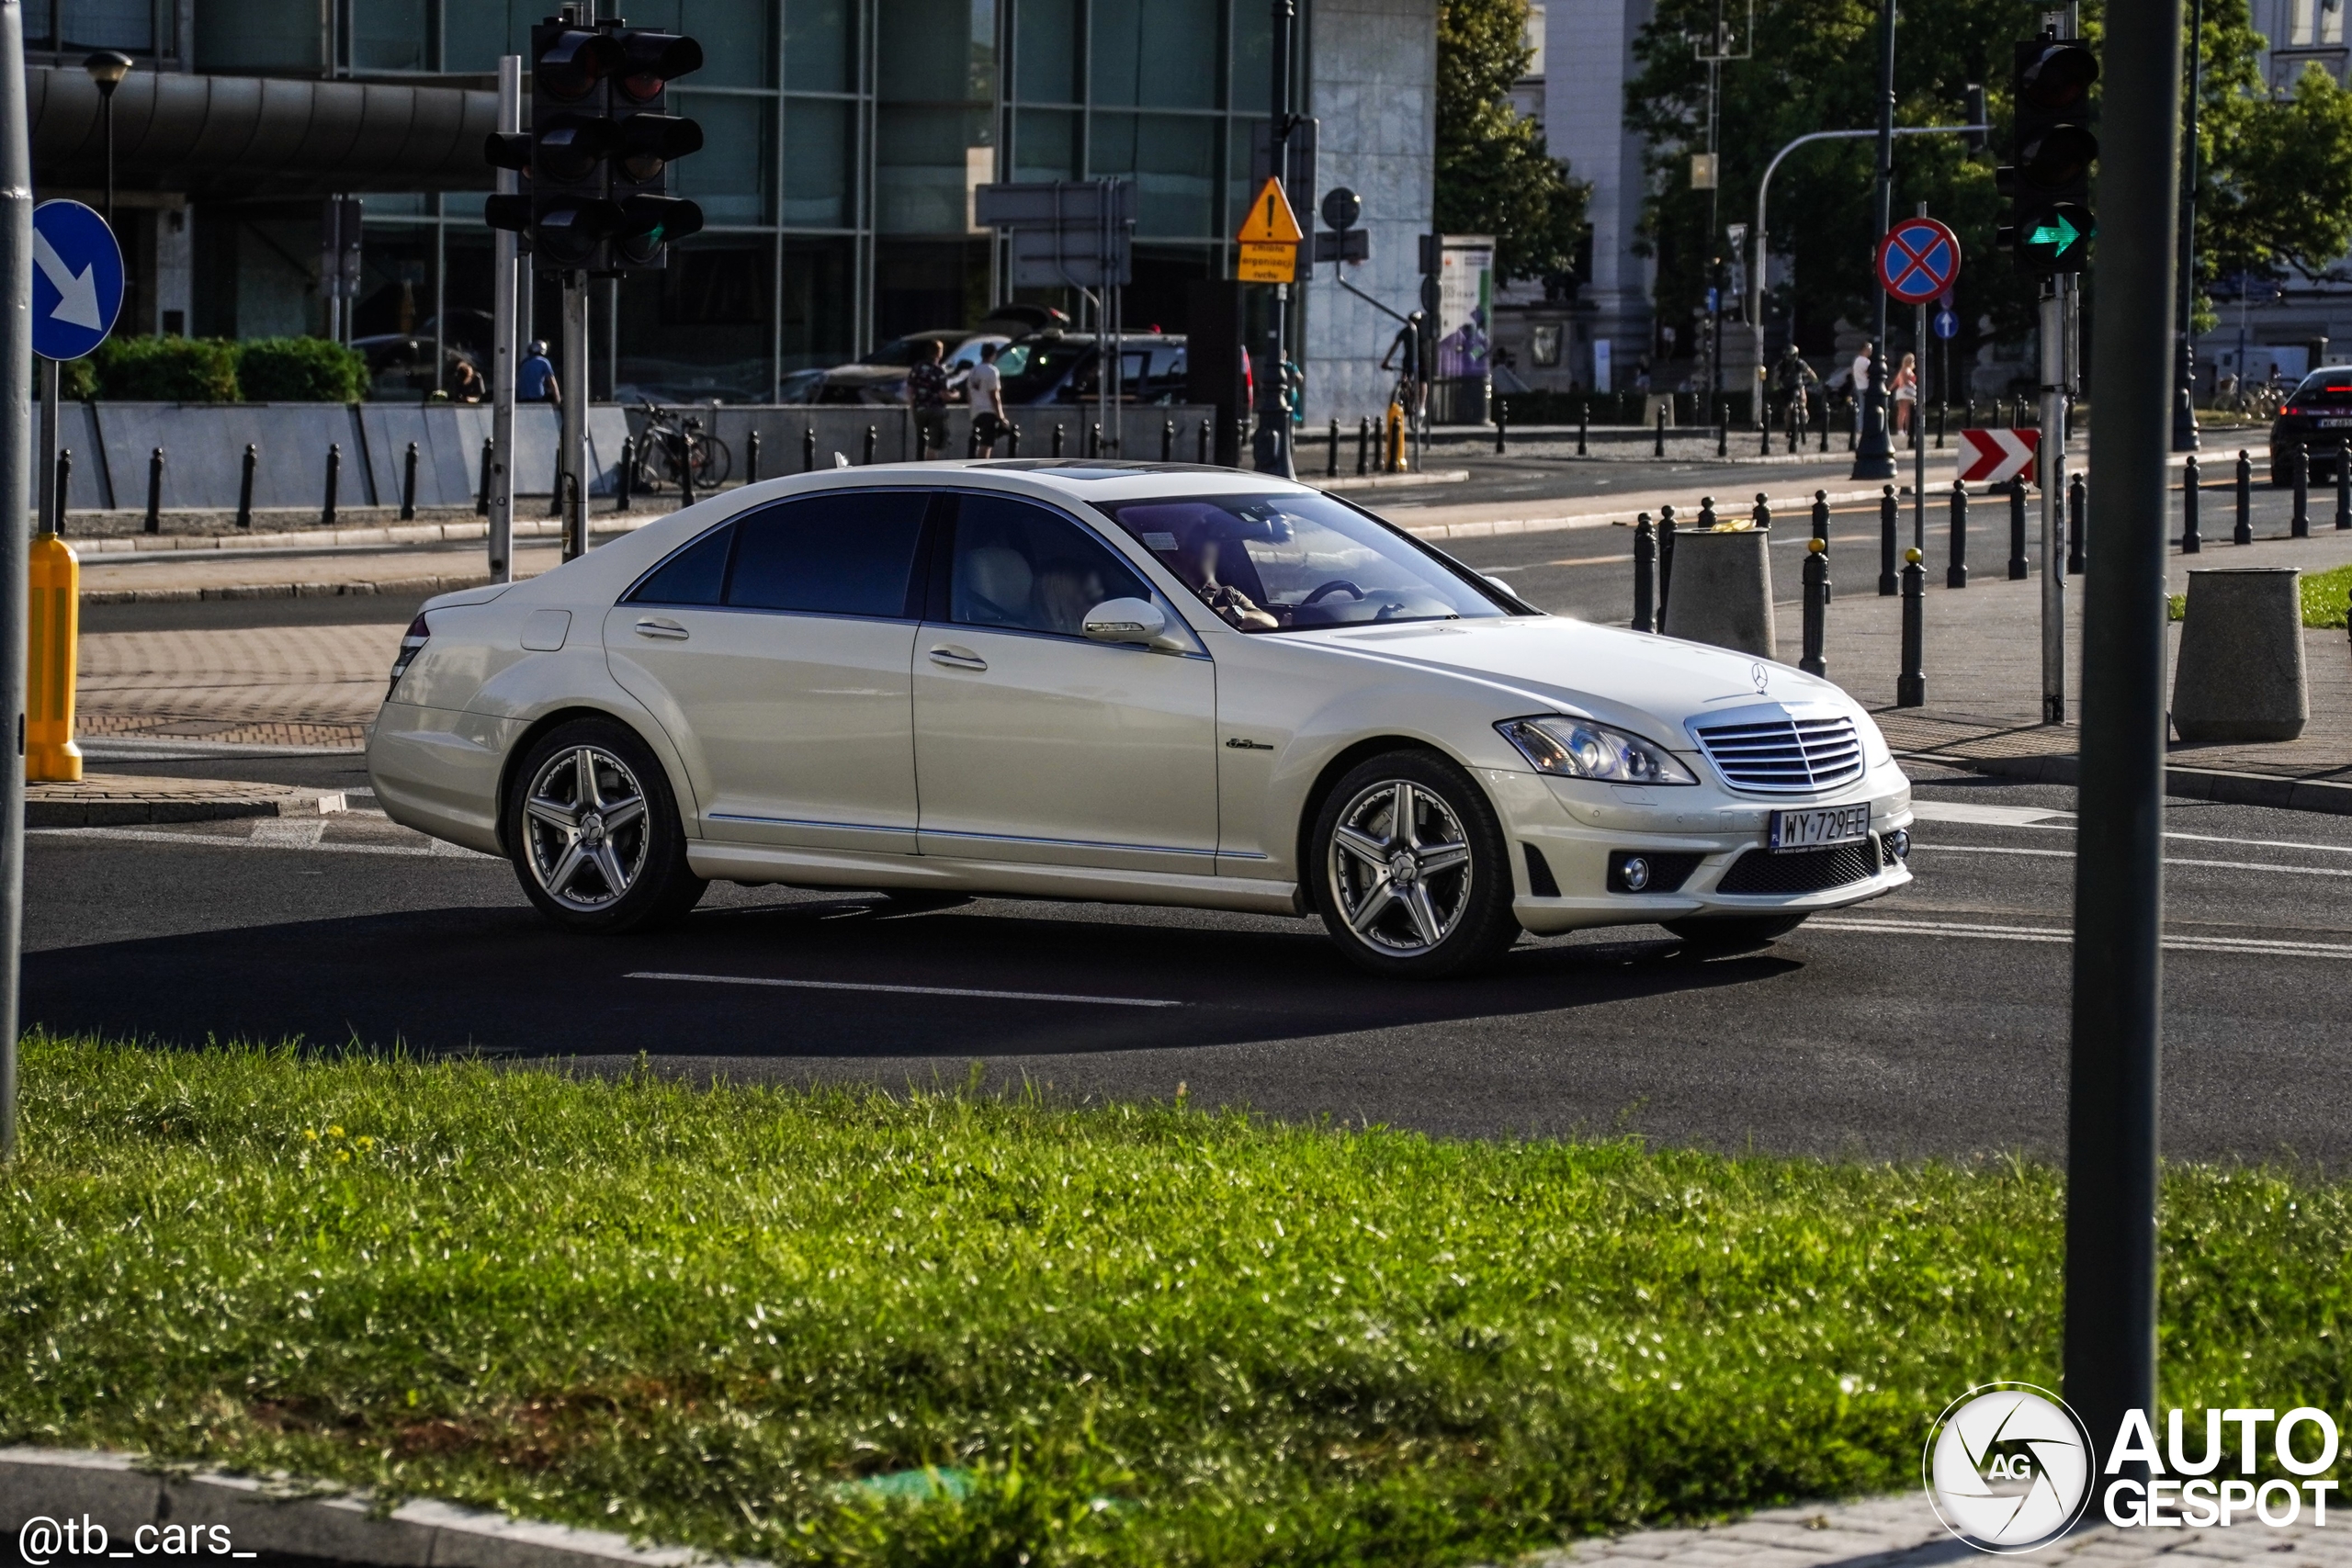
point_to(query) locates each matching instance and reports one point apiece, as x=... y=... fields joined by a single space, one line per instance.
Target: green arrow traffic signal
x=2059 y=238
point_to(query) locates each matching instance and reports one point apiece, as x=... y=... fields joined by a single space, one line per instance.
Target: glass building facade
x=844 y=141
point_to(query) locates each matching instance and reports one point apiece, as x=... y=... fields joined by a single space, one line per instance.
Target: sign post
x=1072 y=234
x=16 y=270
x=1919 y=261
x=1268 y=253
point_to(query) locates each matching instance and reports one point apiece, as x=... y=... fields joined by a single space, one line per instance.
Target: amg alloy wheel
x=594 y=832
x=1409 y=869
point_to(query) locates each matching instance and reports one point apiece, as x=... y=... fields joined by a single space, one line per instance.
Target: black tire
x=1709 y=937
x=1467 y=897
x=646 y=851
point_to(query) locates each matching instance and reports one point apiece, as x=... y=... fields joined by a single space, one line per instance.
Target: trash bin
x=2240 y=675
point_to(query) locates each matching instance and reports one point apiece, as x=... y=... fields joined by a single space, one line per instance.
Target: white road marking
x=906 y=990
x=432 y=848
x=2170 y=860
x=290 y=832
x=1984 y=816
x=2258 y=946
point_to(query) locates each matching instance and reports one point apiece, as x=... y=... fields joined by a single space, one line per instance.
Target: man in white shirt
x=1862 y=385
x=984 y=389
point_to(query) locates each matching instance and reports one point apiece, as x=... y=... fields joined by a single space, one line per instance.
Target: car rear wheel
x=594 y=832
x=1714 y=937
x=1409 y=870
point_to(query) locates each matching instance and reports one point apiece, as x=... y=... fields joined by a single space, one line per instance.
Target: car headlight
x=1577 y=748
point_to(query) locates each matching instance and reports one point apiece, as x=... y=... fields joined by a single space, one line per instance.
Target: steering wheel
x=1336 y=583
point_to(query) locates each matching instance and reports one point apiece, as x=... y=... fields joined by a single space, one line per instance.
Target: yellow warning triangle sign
x=1271 y=221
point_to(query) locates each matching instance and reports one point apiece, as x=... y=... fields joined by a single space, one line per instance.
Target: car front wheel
x=1409 y=869
x=594 y=832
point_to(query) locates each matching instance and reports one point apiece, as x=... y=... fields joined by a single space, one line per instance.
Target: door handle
x=660 y=628
x=957 y=658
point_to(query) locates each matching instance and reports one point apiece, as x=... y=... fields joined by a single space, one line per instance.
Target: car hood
x=1652 y=685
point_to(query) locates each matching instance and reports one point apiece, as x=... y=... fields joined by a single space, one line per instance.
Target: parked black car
x=1060 y=367
x=2317 y=416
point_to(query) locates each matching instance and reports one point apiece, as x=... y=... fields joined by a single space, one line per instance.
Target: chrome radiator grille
x=1791 y=753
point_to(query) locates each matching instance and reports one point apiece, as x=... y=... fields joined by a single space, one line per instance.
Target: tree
x=1493 y=174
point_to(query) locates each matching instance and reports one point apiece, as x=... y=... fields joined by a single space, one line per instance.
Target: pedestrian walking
x=1906 y=393
x=984 y=389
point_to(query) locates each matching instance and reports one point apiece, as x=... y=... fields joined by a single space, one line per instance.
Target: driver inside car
x=1198 y=568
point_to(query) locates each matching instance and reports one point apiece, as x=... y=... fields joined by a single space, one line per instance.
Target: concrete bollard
x=1722 y=589
x=2240 y=675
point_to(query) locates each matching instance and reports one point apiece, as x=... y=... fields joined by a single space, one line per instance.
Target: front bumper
x=1573 y=827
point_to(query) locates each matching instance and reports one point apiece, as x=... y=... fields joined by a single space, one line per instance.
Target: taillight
x=2291 y=410
x=412 y=644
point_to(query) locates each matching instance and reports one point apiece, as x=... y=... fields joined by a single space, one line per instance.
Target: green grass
x=1139 y=1335
x=2327 y=597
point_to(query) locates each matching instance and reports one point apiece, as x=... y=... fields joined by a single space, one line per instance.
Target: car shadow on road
x=809 y=978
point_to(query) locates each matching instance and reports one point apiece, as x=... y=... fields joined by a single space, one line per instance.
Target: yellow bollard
x=51 y=756
x=1395 y=442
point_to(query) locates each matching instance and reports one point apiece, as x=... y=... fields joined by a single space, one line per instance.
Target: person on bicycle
x=1796 y=383
x=535 y=382
x=927 y=390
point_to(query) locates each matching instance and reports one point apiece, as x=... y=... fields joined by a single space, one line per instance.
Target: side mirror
x=1126 y=620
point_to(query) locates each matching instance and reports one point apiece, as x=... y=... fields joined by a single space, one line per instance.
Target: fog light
x=1634 y=873
x=1899 y=844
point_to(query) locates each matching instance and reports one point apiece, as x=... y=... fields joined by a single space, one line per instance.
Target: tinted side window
x=693 y=576
x=1021 y=566
x=848 y=553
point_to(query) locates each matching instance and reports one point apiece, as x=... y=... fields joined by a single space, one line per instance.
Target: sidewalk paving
x=253 y=685
x=1902 y=1531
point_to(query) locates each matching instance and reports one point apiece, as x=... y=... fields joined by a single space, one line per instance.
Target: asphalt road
x=1930 y=1021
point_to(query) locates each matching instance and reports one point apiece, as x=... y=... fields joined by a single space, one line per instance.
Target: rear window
x=2327 y=389
x=848 y=553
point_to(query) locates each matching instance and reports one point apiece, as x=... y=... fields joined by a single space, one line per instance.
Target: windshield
x=1268 y=563
x=1032 y=369
x=2329 y=388
x=904 y=351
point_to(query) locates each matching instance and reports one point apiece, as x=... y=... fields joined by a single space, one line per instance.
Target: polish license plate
x=2336 y=424
x=1817 y=830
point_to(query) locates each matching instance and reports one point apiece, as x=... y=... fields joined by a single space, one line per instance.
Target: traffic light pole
x=571 y=459
x=504 y=280
x=2055 y=341
x=15 y=493
x=2112 y=1173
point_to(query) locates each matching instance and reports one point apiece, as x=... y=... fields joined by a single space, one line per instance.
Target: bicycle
x=674 y=441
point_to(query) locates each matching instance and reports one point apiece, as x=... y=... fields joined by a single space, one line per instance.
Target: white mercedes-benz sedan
x=1117 y=681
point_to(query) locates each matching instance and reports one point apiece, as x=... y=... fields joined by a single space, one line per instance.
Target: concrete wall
x=1372 y=83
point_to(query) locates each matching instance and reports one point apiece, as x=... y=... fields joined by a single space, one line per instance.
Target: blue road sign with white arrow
x=77 y=280
x=1947 y=324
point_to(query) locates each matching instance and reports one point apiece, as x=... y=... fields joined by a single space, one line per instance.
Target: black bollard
x=1911 y=682
x=1094 y=439
x=1824 y=426
x=751 y=458
x=1706 y=512
x=1645 y=575
x=155 y=491
x=1723 y=425
x=65 y=484
x=1889 y=585
x=1363 y=445
x=1790 y=417
x=2343 y=489
x=1659 y=448
x=1763 y=513
x=1665 y=561
x=685 y=473
x=972 y=440
x=1854 y=424
x=1956 y=574
x=1502 y=418
x=1816 y=605
x=2077 y=504
x=1584 y=426
x=408 y=485
x=1940 y=424
x=1203 y=438
x=625 y=477
x=873 y=439
x=809 y=448
x=1058 y=439
x=252 y=460
x=1821 y=515
x=2243 y=533
x=335 y=479
x=481 y=491
x=2190 y=542
x=1168 y=443
x=2299 y=467
x=1331 y=464
x=1011 y=439
x=2018 y=566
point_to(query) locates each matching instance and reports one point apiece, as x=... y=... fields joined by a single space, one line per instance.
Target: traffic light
x=2048 y=181
x=595 y=194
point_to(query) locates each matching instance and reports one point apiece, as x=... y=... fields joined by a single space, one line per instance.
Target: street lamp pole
x=107 y=69
x=1873 y=457
x=2184 y=407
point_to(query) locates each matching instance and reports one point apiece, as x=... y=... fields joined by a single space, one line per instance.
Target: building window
x=1544 y=344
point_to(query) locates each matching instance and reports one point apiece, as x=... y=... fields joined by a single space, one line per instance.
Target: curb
x=113 y=1491
x=1386 y=481
x=128 y=813
x=401 y=587
x=2216 y=785
x=113 y=548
